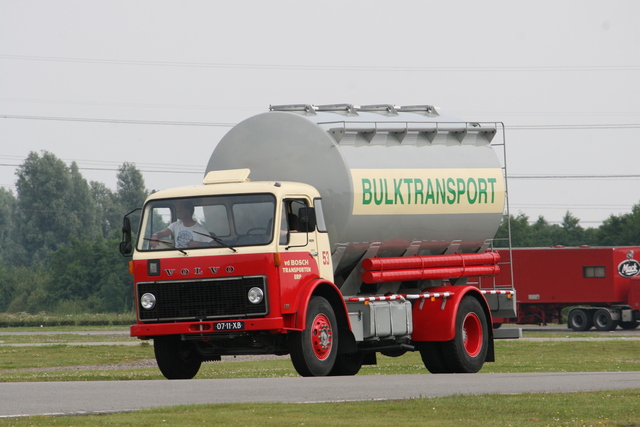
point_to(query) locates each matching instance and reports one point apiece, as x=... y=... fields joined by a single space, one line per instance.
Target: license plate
x=228 y=326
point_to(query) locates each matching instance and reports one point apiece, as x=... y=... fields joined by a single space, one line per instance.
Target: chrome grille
x=202 y=299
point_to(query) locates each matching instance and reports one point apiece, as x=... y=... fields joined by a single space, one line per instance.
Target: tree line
x=60 y=238
x=616 y=230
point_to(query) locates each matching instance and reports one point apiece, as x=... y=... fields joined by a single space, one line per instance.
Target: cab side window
x=293 y=213
x=290 y=222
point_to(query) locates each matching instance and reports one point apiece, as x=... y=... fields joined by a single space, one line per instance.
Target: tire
x=347 y=364
x=629 y=325
x=580 y=320
x=467 y=351
x=314 y=350
x=177 y=359
x=602 y=320
x=433 y=357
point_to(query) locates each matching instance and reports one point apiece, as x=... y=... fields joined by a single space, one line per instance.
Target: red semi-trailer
x=601 y=284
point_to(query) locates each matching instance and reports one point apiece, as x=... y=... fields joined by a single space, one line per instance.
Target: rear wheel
x=177 y=359
x=467 y=351
x=603 y=322
x=580 y=320
x=314 y=350
x=433 y=357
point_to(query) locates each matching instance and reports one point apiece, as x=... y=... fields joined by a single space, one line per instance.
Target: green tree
x=92 y=274
x=521 y=235
x=26 y=289
x=620 y=230
x=42 y=187
x=54 y=203
x=109 y=210
x=8 y=205
x=7 y=286
x=80 y=202
x=570 y=232
x=543 y=232
x=131 y=192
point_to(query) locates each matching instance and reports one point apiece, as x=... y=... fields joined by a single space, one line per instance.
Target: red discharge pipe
x=430 y=273
x=430 y=261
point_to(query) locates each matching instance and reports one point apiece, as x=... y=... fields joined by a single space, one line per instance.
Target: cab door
x=300 y=258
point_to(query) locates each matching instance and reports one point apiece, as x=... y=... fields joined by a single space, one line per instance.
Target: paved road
x=115 y=396
x=84 y=397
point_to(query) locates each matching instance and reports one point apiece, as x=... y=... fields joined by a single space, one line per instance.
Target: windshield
x=205 y=222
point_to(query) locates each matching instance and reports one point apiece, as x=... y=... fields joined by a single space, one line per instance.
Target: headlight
x=255 y=295
x=148 y=301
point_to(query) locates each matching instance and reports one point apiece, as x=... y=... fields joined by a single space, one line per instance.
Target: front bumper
x=147 y=331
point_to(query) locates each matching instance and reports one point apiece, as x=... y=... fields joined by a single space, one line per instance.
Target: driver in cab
x=186 y=232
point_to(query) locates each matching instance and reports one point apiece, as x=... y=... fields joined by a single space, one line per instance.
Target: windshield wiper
x=167 y=242
x=217 y=240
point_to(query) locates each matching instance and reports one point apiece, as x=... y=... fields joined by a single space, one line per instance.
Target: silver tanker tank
x=407 y=177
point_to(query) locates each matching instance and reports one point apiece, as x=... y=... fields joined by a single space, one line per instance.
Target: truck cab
x=239 y=271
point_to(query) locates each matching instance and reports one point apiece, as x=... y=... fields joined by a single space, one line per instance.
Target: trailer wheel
x=433 y=357
x=177 y=359
x=603 y=322
x=467 y=351
x=580 y=320
x=314 y=350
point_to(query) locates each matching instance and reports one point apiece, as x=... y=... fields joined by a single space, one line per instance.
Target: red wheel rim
x=472 y=334
x=321 y=337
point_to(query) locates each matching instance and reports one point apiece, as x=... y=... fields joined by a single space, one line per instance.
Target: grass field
x=112 y=362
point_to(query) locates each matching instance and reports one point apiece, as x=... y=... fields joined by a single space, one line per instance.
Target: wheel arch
x=330 y=292
x=432 y=322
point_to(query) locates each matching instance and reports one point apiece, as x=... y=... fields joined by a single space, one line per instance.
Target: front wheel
x=467 y=351
x=314 y=350
x=347 y=364
x=177 y=359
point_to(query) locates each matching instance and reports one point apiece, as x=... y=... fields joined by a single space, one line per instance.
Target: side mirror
x=307 y=218
x=125 y=246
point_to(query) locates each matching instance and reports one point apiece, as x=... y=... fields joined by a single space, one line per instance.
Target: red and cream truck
x=331 y=233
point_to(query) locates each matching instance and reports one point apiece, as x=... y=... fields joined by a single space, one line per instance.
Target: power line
x=240 y=108
x=510 y=177
x=222 y=124
x=590 y=176
x=121 y=121
x=116 y=169
x=294 y=67
x=588 y=126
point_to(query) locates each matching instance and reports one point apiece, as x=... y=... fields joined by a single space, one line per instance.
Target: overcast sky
x=158 y=83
